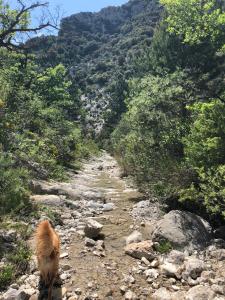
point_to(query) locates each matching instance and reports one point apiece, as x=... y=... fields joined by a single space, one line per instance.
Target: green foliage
x=98 y=50
x=8 y=16
x=196 y=20
x=204 y=146
x=149 y=137
x=13 y=185
x=39 y=132
x=50 y=213
x=163 y=247
x=21 y=227
x=169 y=138
x=6 y=276
x=20 y=257
x=208 y=193
x=204 y=149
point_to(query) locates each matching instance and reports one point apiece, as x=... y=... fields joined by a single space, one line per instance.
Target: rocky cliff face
x=99 y=50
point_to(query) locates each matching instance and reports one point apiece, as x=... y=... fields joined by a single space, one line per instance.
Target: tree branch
x=11 y=28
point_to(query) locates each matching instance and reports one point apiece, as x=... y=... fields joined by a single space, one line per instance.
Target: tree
x=197 y=20
x=16 y=21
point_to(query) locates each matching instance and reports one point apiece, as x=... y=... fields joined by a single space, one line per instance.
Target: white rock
x=108 y=207
x=176 y=257
x=145 y=261
x=129 y=295
x=129 y=279
x=162 y=294
x=64 y=255
x=170 y=269
x=134 y=237
x=152 y=273
x=193 y=268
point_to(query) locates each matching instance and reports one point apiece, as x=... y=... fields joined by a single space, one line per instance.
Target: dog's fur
x=48 y=251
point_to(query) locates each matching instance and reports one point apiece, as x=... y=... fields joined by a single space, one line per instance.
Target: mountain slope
x=98 y=49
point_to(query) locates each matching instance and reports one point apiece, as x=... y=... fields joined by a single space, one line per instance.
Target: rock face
x=92 y=229
x=96 y=40
x=183 y=230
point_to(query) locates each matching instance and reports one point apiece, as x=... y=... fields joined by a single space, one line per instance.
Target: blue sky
x=68 y=7
x=74 y=6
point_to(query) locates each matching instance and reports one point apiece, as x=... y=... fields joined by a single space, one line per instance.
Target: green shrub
x=6 y=276
x=13 y=185
x=148 y=138
x=205 y=144
x=208 y=193
x=204 y=150
x=163 y=247
x=20 y=257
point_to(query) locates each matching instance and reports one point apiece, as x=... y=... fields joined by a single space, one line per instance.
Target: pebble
x=64 y=255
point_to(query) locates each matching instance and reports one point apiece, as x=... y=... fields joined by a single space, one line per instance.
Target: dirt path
x=92 y=272
x=100 y=270
x=103 y=276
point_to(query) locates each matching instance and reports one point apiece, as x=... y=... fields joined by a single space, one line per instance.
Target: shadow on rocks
x=56 y=292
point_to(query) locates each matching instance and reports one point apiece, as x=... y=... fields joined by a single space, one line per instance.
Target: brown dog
x=47 y=247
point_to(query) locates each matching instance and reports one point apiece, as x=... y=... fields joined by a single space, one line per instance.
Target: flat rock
x=139 y=250
x=183 y=230
x=50 y=200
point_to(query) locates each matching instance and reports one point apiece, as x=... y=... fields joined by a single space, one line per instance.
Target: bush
x=20 y=257
x=204 y=149
x=208 y=193
x=6 y=275
x=163 y=247
x=148 y=138
x=13 y=185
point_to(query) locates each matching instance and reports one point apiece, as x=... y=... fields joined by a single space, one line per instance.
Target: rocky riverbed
x=113 y=243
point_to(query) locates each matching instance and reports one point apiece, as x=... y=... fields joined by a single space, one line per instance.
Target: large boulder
x=183 y=230
x=200 y=292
